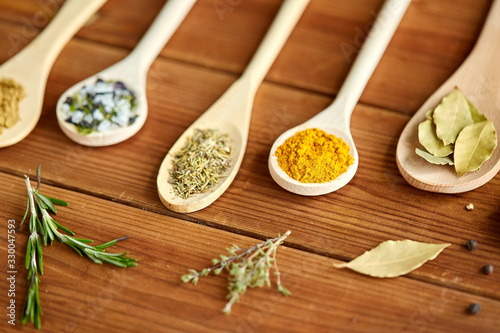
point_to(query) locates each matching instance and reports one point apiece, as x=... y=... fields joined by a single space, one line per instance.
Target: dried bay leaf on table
x=394 y=258
x=428 y=138
x=451 y=116
x=474 y=146
x=433 y=159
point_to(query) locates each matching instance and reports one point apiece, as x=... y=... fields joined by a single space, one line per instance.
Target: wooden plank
x=432 y=41
x=80 y=296
x=377 y=205
x=204 y=57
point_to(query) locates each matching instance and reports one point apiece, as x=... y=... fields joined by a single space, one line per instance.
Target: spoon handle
x=278 y=33
x=365 y=63
x=160 y=31
x=487 y=42
x=69 y=19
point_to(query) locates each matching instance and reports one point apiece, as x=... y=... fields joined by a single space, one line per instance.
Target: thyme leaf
x=248 y=268
x=201 y=163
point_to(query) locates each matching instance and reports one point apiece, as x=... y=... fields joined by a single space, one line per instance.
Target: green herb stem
x=250 y=268
x=32 y=309
x=43 y=228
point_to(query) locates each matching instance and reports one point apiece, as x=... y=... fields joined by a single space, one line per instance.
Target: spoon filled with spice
x=23 y=77
x=319 y=156
x=467 y=105
x=111 y=106
x=203 y=162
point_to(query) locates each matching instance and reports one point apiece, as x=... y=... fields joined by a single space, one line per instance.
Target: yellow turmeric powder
x=314 y=156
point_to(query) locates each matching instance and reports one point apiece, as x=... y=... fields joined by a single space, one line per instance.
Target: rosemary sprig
x=49 y=229
x=46 y=229
x=32 y=309
x=247 y=268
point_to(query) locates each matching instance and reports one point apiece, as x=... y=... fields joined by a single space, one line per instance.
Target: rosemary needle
x=46 y=229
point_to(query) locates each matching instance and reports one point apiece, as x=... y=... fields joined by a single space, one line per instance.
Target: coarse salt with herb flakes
x=100 y=107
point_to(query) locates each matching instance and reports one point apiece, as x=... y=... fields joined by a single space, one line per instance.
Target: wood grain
x=433 y=39
x=80 y=296
x=113 y=189
x=360 y=211
x=477 y=79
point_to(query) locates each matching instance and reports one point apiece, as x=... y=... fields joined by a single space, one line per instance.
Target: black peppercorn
x=474 y=308
x=471 y=245
x=488 y=269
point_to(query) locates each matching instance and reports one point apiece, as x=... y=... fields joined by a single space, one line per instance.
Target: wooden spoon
x=133 y=72
x=336 y=118
x=231 y=113
x=31 y=67
x=479 y=79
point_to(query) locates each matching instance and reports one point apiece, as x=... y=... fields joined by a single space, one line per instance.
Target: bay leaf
x=428 y=138
x=451 y=116
x=474 y=146
x=394 y=258
x=476 y=115
x=428 y=115
x=433 y=159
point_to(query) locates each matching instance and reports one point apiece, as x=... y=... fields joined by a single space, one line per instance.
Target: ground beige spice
x=11 y=93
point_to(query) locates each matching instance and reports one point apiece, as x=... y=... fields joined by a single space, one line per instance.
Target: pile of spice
x=101 y=107
x=314 y=156
x=11 y=93
x=201 y=163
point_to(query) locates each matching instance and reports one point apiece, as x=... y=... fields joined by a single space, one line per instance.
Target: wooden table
x=112 y=190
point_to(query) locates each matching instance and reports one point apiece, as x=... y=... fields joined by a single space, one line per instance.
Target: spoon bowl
x=30 y=107
x=479 y=79
x=134 y=80
x=201 y=200
x=311 y=189
x=132 y=71
x=231 y=113
x=336 y=118
x=31 y=66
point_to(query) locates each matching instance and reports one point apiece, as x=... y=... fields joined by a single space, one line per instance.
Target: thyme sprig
x=44 y=229
x=247 y=268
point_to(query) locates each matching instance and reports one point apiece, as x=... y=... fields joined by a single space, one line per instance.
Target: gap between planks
x=233 y=74
x=240 y=232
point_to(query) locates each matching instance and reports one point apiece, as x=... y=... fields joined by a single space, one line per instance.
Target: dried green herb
x=433 y=159
x=457 y=127
x=100 y=107
x=201 y=163
x=474 y=146
x=394 y=258
x=428 y=138
x=476 y=115
x=428 y=115
x=451 y=116
x=247 y=268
